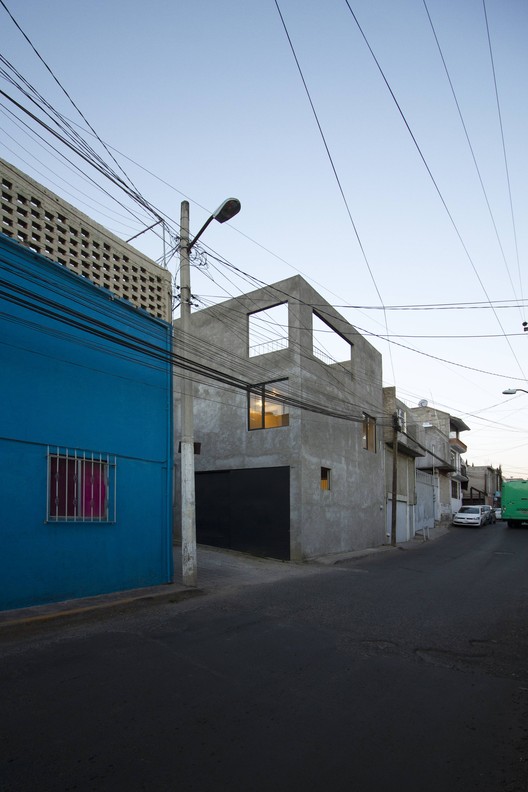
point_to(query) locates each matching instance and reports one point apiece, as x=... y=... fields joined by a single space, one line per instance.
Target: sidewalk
x=217 y=569
x=431 y=534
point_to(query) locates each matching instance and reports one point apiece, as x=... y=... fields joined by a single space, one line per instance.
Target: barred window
x=81 y=486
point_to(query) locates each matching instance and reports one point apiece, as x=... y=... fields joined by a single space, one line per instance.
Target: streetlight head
x=510 y=391
x=227 y=210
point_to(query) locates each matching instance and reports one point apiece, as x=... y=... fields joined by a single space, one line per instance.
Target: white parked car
x=470 y=515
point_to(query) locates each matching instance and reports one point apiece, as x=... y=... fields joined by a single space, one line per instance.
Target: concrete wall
x=71 y=380
x=43 y=222
x=351 y=514
x=426 y=498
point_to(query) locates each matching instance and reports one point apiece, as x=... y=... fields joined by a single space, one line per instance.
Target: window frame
x=261 y=391
x=369 y=433
x=326 y=479
x=80 y=486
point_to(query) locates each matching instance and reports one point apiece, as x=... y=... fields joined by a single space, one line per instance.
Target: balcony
x=457 y=445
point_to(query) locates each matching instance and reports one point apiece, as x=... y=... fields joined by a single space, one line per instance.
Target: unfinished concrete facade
x=46 y=224
x=291 y=461
x=483 y=485
x=438 y=432
x=407 y=452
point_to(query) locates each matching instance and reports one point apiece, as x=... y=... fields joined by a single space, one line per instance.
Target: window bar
x=91 y=482
x=57 y=484
x=114 y=498
x=99 y=511
x=66 y=492
x=75 y=486
x=48 y=504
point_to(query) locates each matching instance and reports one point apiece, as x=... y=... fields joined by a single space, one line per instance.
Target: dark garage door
x=247 y=510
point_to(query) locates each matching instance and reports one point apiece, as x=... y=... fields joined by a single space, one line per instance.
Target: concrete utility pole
x=225 y=211
x=395 y=429
x=188 y=504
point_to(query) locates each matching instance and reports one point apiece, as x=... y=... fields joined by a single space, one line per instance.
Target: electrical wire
x=506 y=167
x=433 y=180
x=334 y=170
x=473 y=156
x=25 y=299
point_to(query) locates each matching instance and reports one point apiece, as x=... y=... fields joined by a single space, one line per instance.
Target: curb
x=69 y=611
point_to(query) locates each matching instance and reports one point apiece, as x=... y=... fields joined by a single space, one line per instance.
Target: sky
x=378 y=149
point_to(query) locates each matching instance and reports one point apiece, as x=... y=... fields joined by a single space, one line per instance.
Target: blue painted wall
x=83 y=370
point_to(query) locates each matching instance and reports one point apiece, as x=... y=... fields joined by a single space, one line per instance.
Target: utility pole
x=188 y=515
x=228 y=209
x=395 y=430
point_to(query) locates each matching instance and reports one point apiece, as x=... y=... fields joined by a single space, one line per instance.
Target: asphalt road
x=404 y=670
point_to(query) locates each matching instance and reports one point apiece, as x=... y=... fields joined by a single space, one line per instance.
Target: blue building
x=85 y=437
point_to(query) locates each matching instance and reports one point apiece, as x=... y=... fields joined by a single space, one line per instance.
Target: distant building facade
x=483 y=485
x=439 y=433
x=46 y=224
x=408 y=450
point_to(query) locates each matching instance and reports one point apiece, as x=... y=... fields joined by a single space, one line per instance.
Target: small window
x=369 y=432
x=81 y=486
x=325 y=478
x=265 y=408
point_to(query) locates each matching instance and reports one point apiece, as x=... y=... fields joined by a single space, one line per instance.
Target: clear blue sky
x=207 y=96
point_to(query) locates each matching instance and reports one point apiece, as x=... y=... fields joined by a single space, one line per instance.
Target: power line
x=470 y=145
x=63 y=89
x=503 y=143
x=433 y=180
x=334 y=170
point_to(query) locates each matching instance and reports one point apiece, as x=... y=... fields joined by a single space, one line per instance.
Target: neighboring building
x=85 y=437
x=278 y=473
x=438 y=432
x=483 y=485
x=43 y=222
x=408 y=451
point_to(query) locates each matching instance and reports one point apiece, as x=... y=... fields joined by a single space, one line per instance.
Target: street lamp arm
x=228 y=209
x=513 y=391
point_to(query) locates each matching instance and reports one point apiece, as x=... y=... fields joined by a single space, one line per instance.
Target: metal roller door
x=246 y=510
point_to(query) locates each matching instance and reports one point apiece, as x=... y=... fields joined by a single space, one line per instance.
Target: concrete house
x=442 y=471
x=483 y=485
x=290 y=464
x=408 y=450
x=85 y=436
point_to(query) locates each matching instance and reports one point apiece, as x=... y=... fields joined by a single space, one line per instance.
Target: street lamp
x=228 y=209
x=513 y=391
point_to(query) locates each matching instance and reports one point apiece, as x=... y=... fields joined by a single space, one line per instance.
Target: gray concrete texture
x=351 y=514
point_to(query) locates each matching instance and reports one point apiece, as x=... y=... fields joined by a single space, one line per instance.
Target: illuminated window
x=369 y=432
x=325 y=478
x=265 y=408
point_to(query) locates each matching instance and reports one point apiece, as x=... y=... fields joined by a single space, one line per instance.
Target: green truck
x=514 y=502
